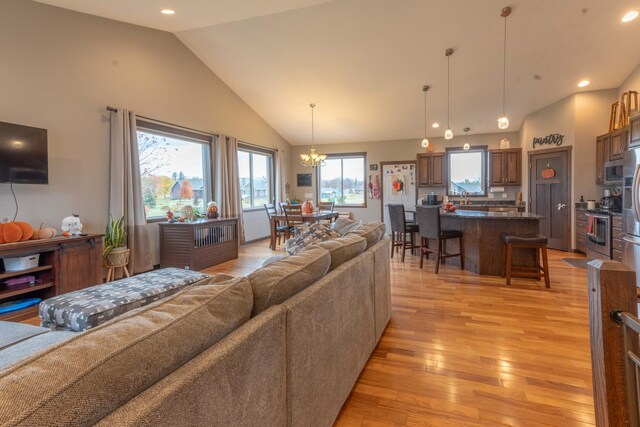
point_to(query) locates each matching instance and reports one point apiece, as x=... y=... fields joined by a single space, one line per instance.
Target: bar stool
x=526 y=241
x=400 y=227
x=428 y=219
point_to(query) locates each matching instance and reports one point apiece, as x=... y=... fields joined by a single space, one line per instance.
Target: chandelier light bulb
x=448 y=134
x=503 y=122
x=425 y=143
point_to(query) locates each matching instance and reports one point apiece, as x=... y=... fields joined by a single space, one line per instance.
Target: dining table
x=306 y=217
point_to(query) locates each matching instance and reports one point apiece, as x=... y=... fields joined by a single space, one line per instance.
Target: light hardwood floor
x=465 y=350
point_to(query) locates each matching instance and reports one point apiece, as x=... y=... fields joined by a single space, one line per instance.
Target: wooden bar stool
x=526 y=241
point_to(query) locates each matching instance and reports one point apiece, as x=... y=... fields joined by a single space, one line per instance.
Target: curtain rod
x=149 y=119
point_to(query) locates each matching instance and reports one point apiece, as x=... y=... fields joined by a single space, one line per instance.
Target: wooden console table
x=66 y=264
x=198 y=244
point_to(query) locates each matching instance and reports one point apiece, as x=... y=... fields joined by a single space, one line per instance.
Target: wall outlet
x=491 y=195
x=505 y=195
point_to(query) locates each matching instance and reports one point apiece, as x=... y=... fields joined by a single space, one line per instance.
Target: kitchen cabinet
x=432 y=170
x=602 y=147
x=616 y=238
x=616 y=145
x=505 y=167
x=634 y=131
x=581 y=231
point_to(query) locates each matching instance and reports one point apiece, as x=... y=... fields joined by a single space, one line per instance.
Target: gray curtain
x=125 y=189
x=228 y=181
x=281 y=172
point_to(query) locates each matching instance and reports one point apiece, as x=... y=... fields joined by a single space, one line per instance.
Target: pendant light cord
x=313 y=141
x=448 y=90
x=504 y=69
x=425 y=114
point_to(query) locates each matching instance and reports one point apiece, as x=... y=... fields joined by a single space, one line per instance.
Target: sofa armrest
x=382 y=283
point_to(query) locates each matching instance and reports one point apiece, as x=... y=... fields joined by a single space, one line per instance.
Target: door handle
x=561 y=206
x=630 y=239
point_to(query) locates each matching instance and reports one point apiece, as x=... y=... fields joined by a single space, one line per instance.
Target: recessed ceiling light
x=630 y=16
x=435 y=125
x=168 y=12
x=584 y=83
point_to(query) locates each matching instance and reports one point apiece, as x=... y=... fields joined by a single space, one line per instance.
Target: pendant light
x=448 y=134
x=425 y=141
x=466 y=145
x=503 y=122
x=313 y=159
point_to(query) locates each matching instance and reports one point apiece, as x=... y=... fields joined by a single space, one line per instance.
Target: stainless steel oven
x=599 y=236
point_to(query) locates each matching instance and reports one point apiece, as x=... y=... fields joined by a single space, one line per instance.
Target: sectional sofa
x=281 y=347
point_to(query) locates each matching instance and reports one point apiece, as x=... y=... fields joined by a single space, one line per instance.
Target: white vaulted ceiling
x=364 y=62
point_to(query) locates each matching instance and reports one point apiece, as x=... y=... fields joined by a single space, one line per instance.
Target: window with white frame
x=175 y=169
x=342 y=180
x=255 y=167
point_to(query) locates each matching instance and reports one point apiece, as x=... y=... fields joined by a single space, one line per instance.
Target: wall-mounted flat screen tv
x=23 y=154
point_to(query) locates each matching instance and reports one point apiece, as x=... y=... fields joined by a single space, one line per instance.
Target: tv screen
x=23 y=154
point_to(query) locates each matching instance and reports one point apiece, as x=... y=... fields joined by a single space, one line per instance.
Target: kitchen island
x=481 y=238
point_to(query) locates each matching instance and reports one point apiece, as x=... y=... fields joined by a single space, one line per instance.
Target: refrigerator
x=631 y=211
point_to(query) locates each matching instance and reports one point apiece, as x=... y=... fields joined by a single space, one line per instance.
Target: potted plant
x=115 y=253
x=115 y=237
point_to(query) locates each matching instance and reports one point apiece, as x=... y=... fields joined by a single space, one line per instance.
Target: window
x=175 y=169
x=341 y=180
x=256 y=176
x=467 y=171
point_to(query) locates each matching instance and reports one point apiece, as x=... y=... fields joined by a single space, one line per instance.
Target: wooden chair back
x=271 y=209
x=293 y=214
x=428 y=220
x=326 y=206
x=397 y=218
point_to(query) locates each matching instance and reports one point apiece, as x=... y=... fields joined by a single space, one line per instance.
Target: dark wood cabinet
x=65 y=264
x=602 y=148
x=581 y=231
x=432 y=170
x=505 y=167
x=634 y=131
x=616 y=145
x=80 y=265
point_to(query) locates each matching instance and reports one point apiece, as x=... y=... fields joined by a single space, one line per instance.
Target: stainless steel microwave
x=613 y=172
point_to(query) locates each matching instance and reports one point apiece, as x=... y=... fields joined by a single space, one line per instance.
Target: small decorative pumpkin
x=548 y=173
x=44 y=233
x=307 y=207
x=11 y=232
x=170 y=214
x=212 y=210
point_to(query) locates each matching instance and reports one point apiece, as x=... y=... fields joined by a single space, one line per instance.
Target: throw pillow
x=344 y=225
x=308 y=235
x=343 y=249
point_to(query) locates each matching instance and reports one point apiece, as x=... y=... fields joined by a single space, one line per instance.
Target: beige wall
x=59 y=69
x=632 y=82
x=379 y=151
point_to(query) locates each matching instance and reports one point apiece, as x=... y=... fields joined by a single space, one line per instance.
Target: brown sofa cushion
x=282 y=279
x=343 y=249
x=107 y=366
x=372 y=231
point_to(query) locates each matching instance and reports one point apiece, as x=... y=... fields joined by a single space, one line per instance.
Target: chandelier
x=313 y=159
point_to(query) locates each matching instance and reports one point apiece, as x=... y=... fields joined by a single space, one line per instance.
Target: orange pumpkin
x=44 y=233
x=548 y=173
x=27 y=230
x=307 y=207
x=11 y=232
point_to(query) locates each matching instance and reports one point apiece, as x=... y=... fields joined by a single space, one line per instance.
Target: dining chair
x=279 y=229
x=400 y=228
x=326 y=207
x=428 y=221
x=293 y=215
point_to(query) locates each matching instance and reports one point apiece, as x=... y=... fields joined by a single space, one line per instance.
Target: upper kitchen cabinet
x=617 y=144
x=505 y=167
x=634 y=131
x=431 y=170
